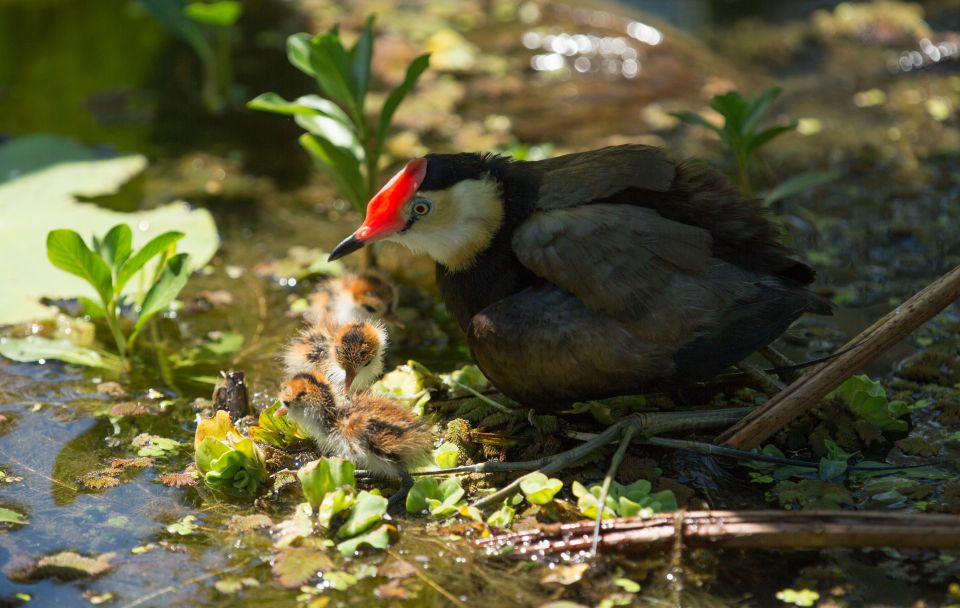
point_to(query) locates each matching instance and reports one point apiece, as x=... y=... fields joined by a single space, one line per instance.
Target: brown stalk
x=770 y=529
x=806 y=392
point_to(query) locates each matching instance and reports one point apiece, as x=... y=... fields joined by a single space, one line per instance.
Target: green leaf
x=539 y=489
x=184 y=527
x=67 y=251
x=502 y=517
x=34 y=348
x=757 y=107
x=361 y=57
x=694 y=119
x=116 y=247
x=340 y=165
x=447 y=455
x=799 y=183
x=135 y=262
x=423 y=488
x=831 y=469
x=378 y=538
x=324 y=58
x=235 y=472
x=339 y=134
x=279 y=432
x=325 y=475
x=366 y=511
x=414 y=70
x=761 y=139
x=209 y=450
x=172 y=279
x=218 y=14
x=588 y=501
x=733 y=107
x=171 y=14
x=334 y=502
x=9 y=516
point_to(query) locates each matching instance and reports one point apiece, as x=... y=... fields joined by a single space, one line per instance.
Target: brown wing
x=575 y=179
x=615 y=258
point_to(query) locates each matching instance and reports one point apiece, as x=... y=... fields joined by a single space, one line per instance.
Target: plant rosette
x=229 y=462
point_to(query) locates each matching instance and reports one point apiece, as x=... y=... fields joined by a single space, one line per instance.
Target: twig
x=806 y=393
x=744 y=530
x=497 y=406
x=760 y=378
x=645 y=424
x=607 y=480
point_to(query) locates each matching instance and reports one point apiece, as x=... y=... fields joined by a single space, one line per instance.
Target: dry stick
x=607 y=481
x=806 y=393
x=769 y=529
x=647 y=424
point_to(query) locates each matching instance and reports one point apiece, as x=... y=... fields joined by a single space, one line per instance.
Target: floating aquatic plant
x=440 y=500
x=624 y=501
x=228 y=461
x=278 y=431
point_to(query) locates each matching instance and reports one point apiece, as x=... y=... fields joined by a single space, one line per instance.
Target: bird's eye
x=421 y=206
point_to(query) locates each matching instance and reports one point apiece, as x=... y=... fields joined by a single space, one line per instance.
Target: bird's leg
x=778 y=359
x=398 y=498
x=628 y=433
x=762 y=379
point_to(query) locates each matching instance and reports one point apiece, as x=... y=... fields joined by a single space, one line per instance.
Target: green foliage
x=624 y=501
x=184 y=527
x=741 y=131
x=801 y=597
x=319 y=477
x=447 y=455
x=867 y=399
x=36 y=348
x=280 y=432
x=330 y=487
x=209 y=29
x=539 y=489
x=9 y=516
x=344 y=142
x=440 y=500
x=111 y=263
x=228 y=461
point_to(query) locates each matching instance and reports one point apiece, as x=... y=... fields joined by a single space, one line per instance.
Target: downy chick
x=353 y=297
x=378 y=435
x=351 y=356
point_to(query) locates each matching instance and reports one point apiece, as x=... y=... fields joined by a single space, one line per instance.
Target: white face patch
x=464 y=219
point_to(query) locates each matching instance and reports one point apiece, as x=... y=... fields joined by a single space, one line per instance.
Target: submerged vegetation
x=125 y=484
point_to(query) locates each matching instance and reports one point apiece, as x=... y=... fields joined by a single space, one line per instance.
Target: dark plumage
x=609 y=272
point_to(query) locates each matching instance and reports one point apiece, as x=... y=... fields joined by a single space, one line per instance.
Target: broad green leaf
x=733 y=107
x=502 y=517
x=208 y=451
x=761 y=139
x=218 y=14
x=138 y=259
x=116 y=247
x=695 y=119
x=325 y=475
x=588 y=501
x=34 y=348
x=414 y=70
x=423 y=489
x=366 y=511
x=757 y=107
x=9 y=516
x=31 y=153
x=539 y=489
x=218 y=427
x=331 y=66
x=334 y=502
x=831 y=469
x=798 y=184
x=67 y=251
x=361 y=56
x=339 y=134
x=298 y=53
x=447 y=455
x=52 y=192
x=306 y=104
x=378 y=538
x=172 y=279
x=339 y=164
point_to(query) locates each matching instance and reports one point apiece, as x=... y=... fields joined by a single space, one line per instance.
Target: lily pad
x=45 y=199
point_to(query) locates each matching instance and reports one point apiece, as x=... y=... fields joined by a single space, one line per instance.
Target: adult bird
x=593 y=274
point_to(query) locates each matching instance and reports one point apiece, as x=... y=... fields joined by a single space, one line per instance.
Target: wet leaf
x=325 y=475
x=539 y=489
x=246 y=523
x=588 y=502
x=297 y=526
x=502 y=518
x=334 y=502
x=565 y=574
x=279 y=432
x=218 y=427
x=35 y=348
x=184 y=527
x=154 y=445
x=9 y=516
x=341 y=581
x=294 y=566
x=867 y=399
x=378 y=538
x=367 y=511
x=238 y=471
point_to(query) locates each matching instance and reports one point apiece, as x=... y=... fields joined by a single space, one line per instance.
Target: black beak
x=346 y=246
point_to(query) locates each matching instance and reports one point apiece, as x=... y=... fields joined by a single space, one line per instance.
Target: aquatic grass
x=344 y=141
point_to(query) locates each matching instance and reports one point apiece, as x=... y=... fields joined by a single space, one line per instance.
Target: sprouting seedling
x=741 y=131
x=208 y=27
x=110 y=264
x=344 y=141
